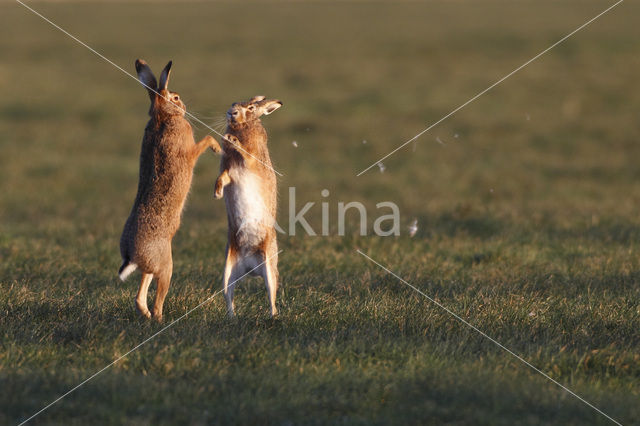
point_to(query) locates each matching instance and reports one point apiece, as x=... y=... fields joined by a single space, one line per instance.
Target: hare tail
x=126 y=269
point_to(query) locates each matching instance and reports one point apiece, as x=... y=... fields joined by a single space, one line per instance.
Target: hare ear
x=256 y=99
x=146 y=77
x=270 y=106
x=164 y=77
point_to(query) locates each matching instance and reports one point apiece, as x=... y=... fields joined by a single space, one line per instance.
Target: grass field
x=527 y=213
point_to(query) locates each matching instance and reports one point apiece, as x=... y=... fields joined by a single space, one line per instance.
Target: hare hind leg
x=164 y=281
x=269 y=272
x=141 y=298
x=231 y=275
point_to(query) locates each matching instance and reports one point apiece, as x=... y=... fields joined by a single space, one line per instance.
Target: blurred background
x=555 y=143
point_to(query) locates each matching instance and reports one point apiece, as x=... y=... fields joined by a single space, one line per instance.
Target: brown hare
x=167 y=159
x=248 y=182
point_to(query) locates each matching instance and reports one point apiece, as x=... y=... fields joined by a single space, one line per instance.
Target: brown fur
x=246 y=154
x=167 y=158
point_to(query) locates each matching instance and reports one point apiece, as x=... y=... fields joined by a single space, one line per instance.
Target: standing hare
x=168 y=156
x=248 y=182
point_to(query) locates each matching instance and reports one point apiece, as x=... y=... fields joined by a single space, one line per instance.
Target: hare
x=168 y=156
x=248 y=183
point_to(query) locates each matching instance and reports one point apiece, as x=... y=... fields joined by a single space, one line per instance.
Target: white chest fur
x=246 y=207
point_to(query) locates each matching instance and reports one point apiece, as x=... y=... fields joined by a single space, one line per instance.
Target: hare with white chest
x=248 y=183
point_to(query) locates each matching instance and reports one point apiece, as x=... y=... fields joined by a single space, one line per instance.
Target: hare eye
x=252 y=107
x=176 y=98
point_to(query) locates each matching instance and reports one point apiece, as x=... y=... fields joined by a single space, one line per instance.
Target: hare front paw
x=215 y=146
x=219 y=191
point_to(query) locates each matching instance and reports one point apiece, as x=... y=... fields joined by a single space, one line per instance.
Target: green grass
x=528 y=218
